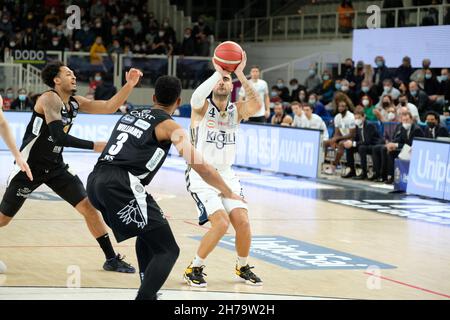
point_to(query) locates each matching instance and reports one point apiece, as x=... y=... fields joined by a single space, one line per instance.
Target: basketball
x=228 y=55
x=2 y=267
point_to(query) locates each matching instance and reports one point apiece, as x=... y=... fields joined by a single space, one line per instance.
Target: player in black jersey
x=46 y=136
x=136 y=150
x=5 y=133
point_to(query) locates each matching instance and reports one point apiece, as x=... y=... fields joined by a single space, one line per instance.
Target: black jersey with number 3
x=133 y=145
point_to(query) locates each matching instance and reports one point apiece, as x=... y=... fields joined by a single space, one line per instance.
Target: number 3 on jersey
x=115 y=148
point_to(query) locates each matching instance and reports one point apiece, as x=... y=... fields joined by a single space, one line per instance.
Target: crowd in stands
x=354 y=106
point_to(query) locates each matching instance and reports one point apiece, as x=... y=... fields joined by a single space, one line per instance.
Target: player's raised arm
x=170 y=130
x=252 y=103
x=6 y=134
x=110 y=106
x=51 y=104
x=198 y=99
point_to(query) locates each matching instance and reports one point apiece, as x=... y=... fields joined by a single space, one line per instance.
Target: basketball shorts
x=61 y=180
x=207 y=198
x=123 y=201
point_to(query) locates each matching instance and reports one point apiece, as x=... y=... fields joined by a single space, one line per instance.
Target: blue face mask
x=444 y=78
x=380 y=64
x=338 y=86
x=9 y=95
x=365 y=89
x=312 y=72
x=22 y=97
x=326 y=77
x=428 y=76
x=274 y=93
x=413 y=93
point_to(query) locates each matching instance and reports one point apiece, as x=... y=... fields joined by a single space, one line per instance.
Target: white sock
x=242 y=262
x=198 y=262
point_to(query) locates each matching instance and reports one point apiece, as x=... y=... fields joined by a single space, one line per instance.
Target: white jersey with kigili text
x=215 y=136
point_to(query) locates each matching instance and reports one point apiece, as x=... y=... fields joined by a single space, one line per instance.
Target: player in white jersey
x=262 y=89
x=214 y=128
x=313 y=121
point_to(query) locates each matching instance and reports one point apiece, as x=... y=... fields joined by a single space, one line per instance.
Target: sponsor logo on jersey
x=127 y=119
x=37 y=125
x=143 y=114
x=155 y=160
x=132 y=213
x=210 y=124
x=50 y=138
x=144 y=125
x=57 y=149
x=23 y=192
x=221 y=138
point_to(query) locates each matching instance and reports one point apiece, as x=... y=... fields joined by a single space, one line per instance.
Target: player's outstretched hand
x=99 y=146
x=233 y=196
x=133 y=76
x=24 y=167
x=240 y=68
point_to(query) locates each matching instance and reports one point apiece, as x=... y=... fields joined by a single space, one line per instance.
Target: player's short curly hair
x=50 y=71
x=167 y=90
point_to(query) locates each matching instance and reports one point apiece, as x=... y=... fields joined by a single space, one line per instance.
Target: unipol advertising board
x=394 y=43
x=278 y=149
x=429 y=173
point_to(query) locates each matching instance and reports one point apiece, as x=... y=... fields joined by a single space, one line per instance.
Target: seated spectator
x=284 y=95
x=22 y=102
x=359 y=76
x=319 y=108
x=274 y=97
x=280 y=117
x=419 y=75
x=326 y=91
x=430 y=85
x=348 y=72
x=162 y=44
x=388 y=89
x=8 y=99
x=403 y=102
x=344 y=129
x=297 y=110
x=384 y=155
x=434 y=128
x=444 y=88
x=345 y=88
x=188 y=46
x=311 y=121
x=295 y=89
x=346 y=15
x=368 y=108
x=403 y=87
x=313 y=81
x=385 y=111
x=404 y=71
x=96 y=50
x=302 y=96
x=418 y=97
x=368 y=89
x=366 y=138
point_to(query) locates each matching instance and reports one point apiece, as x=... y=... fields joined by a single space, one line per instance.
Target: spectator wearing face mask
x=280 y=117
x=385 y=111
x=388 y=89
x=418 y=97
x=359 y=76
x=169 y=31
x=345 y=88
x=8 y=98
x=366 y=138
x=295 y=89
x=444 y=86
x=368 y=108
x=404 y=71
x=310 y=120
x=404 y=134
x=105 y=90
x=327 y=89
x=419 y=75
x=434 y=128
x=368 y=89
x=188 y=45
x=430 y=85
x=115 y=48
x=313 y=81
x=274 y=97
x=284 y=95
x=161 y=44
x=348 y=72
x=381 y=71
x=319 y=109
x=344 y=129
x=403 y=102
x=22 y=102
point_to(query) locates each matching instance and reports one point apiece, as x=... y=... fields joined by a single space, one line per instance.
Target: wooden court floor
x=47 y=238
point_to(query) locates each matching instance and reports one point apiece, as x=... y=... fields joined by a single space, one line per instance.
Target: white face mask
x=406 y=126
x=359 y=123
x=391 y=116
x=344 y=88
x=312 y=101
x=387 y=89
x=365 y=102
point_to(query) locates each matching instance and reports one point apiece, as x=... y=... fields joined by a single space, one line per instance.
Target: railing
x=325 y=25
x=32 y=79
